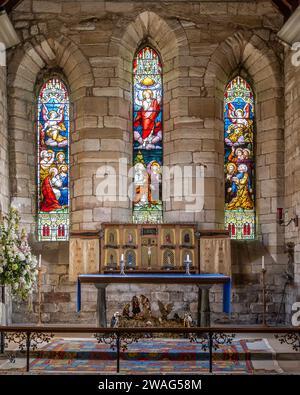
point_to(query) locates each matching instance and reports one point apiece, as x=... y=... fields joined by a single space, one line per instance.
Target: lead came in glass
x=53 y=161
x=239 y=160
x=147 y=136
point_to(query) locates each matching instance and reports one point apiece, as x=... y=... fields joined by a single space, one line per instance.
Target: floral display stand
x=5 y=311
x=18 y=267
x=6 y=305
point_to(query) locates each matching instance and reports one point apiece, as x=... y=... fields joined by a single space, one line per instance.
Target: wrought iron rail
x=210 y=338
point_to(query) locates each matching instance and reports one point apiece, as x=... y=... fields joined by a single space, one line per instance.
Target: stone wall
x=4 y=170
x=202 y=45
x=292 y=166
x=182 y=298
x=5 y=310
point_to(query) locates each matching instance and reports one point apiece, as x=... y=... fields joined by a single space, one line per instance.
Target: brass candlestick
x=149 y=258
x=187 y=265
x=122 y=266
x=263 y=271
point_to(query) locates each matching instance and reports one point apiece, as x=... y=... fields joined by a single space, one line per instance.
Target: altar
x=101 y=281
x=152 y=254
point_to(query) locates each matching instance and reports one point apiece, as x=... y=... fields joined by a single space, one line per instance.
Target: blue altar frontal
x=201 y=280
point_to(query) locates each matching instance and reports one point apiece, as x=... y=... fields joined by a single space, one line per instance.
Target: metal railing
x=210 y=338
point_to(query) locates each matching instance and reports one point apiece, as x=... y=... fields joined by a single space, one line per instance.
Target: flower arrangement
x=18 y=267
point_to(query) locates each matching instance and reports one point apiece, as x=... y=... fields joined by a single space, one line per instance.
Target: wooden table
x=203 y=281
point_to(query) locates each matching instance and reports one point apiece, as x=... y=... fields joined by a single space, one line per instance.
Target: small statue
x=115 y=320
x=165 y=309
x=126 y=311
x=149 y=325
x=136 y=310
x=111 y=238
x=130 y=238
x=188 y=323
x=168 y=238
x=187 y=320
x=169 y=259
x=146 y=306
x=187 y=238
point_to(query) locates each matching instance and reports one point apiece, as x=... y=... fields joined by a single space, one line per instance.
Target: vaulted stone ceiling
x=8 y=5
x=286 y=7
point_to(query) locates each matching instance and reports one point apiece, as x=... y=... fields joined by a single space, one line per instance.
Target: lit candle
x=40 y=261
x=188 y=257
x=263 y=263
x=122 y=257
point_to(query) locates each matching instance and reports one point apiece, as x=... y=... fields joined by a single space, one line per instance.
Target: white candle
x=122 y=257
x=188 y=257
x=40 y=261
x=263 y=263
x=149 y=251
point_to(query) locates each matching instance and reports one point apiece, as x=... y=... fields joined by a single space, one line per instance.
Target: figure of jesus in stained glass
x=147 y=124
x=147 y=136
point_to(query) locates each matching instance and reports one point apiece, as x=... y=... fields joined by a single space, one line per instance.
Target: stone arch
x=242 y=51
x=169 y=39
x=26 y=64
x=167 y=35
x=248 y=54
x=42 y=52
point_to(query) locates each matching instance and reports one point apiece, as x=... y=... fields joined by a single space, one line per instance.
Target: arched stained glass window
x=239 y=159
x=147 y=136
x=53 y=161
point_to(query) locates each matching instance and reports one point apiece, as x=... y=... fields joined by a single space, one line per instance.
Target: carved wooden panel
x=148 y=247
x=84 y=256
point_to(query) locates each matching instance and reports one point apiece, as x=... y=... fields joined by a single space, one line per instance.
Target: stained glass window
x=239 y=160
x=53 y=161
x=147 y=136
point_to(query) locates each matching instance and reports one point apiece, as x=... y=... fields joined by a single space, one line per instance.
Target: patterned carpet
x=152 y=356
x=136 y=367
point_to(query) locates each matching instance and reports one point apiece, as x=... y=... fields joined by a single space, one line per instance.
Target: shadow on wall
x=247 y=261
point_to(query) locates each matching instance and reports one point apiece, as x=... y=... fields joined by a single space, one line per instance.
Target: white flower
x=14 y=248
